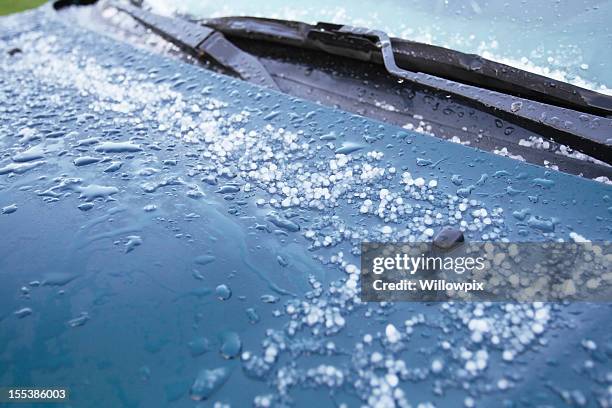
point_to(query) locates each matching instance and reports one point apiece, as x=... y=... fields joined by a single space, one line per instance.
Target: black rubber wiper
x=471 y=69
x=203 y=42
x=565 y=113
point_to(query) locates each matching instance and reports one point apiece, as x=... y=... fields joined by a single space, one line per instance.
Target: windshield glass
x=568 y=41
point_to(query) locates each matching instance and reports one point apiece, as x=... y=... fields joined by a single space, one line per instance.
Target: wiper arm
x=201 y=41
x=594 y=133
x=580 y=130
x=470 y=69
x=576 y=117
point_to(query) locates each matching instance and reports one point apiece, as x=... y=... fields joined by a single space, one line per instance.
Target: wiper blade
x=586 y=132
x=470 y=69
x=567 y=125
x=568 y=114
x=201 y=41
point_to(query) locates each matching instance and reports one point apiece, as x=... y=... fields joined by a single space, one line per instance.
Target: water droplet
x=544 y=183
x=85 y=160
x=328 y=137
x=207 y=382
x=516 y=106
x=199 y=346
x=271 y=115
x=204 y=259
x=456 y=179
x=113 y=166
x=282 y=261
x=132 y=242
x=229 y=189
x=21 y=313
x=149 y=207
x=282 y=222
x=9 y=209
x=269 y=299
x=118 y=147
x=93 y=191
x=33 y=153
x=230 y=344
x=223 y=292
x=58 y=279
x=348 y=147
x=542 y=224
x=252 y=315
x=85 y=206
x=20 y=168
x=79 y=321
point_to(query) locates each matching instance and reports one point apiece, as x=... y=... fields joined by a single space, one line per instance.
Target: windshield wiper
x=418 y=57
x=567 y=114
x=201 y=42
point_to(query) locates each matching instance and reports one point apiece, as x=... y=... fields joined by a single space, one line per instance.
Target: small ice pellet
x=392 y=379
x=376 y=357
x=502 y=384
x=393 y=335
x=437 y=366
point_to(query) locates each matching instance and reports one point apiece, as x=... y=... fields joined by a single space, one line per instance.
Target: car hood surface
x=170 y=234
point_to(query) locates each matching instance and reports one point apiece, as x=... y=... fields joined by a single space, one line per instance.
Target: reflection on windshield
x=568 y=41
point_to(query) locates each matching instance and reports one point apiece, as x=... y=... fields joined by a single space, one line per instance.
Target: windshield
x=568 y=41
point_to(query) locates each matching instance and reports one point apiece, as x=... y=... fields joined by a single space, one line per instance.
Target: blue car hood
x=166 y=228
